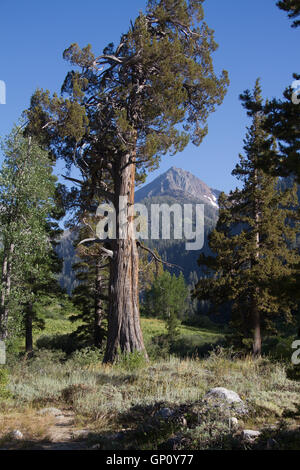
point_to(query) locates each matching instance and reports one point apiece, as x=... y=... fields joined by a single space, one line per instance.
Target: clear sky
x=255 y=40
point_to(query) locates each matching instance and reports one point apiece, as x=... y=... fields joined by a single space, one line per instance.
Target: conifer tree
x=90 y=295
x=283 y=117
x=253 y=243
x=293 y=9
x=282 y=121
x=125 y=108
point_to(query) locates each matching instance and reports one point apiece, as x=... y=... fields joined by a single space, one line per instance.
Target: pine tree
x=90 y=295
x=126 y=108
x=293 y=9
x=282 y=122
x=283 y=117
x=253 y=243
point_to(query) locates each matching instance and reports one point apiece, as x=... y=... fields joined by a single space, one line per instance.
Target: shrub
x=131 y=361
x=279 y=348
x=200 y=321
x=158 y=347
x=63 y=342
x=193 y=346
x=44 y=358
x=87 y=356
x=4 y=393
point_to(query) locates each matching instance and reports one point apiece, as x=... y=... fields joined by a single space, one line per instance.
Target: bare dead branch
x=73 y=180
x=109 y=253
x=156 y=259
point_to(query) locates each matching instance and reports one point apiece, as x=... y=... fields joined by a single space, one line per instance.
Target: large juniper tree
x=125 y=108
x=253 y=242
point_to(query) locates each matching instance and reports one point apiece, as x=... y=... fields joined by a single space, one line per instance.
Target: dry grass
x=108 y=399
x=32 y=426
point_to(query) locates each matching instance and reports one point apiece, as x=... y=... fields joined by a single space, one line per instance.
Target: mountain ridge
x=178 y=182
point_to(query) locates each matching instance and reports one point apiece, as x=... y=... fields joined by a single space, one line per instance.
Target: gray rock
x=165 y=413
x=222 y=396
x=16 y=434
x=233 y=422
x=250 y=435
x=50 y=411
x=96 y=447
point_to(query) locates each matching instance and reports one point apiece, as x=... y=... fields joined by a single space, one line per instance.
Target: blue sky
x=254 y=37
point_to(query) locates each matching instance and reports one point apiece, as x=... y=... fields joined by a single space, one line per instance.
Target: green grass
x=155 y=327
x=190 y=342
x=57 y=327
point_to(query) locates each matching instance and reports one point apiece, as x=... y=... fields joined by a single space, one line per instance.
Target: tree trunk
x=98 y=317
x=5 y=291
x=256 y=334
x=28 y=330
x=124 y=330
x=256 y=312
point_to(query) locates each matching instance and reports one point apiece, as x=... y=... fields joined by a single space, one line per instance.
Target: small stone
x=165 y=413
x=233 y=422
x=250 y=435
x=50 y=411
x=182 y=420
x=96 y=447
x=80 y=433
x=16 y=434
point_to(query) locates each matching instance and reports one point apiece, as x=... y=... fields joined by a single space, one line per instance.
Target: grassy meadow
x=118 y=406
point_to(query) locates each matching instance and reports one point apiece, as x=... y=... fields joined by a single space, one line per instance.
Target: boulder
x=224 y=394
x=221 y=396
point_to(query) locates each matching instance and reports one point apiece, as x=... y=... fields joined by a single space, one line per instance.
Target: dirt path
x=63 y=435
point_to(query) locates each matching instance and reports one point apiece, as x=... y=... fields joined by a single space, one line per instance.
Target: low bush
x=87 y=356
x=200 y=321
x=4 y=377
x=64 y=342
x=131 y=361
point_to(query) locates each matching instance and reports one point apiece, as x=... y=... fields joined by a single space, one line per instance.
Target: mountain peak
x=177 y=182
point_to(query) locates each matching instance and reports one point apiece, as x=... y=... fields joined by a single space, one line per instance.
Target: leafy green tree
x=167 y=298
x=253 y=244
x=125 y=108
x=27 y=201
